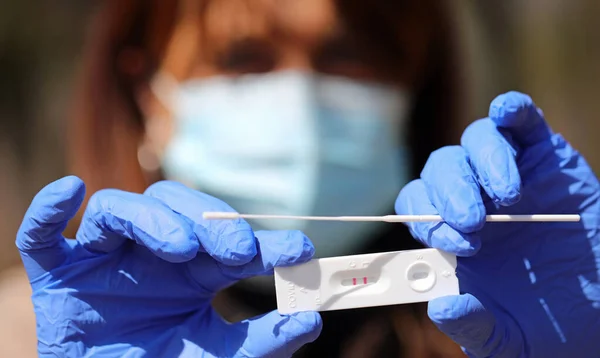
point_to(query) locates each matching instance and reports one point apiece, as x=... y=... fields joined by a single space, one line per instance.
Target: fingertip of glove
x=466 y=247
x=442 y=309
x=50 y=210
x=509 y=195
x=510 y=109
x=64 y=196
x=179 y=253
x=464 y=319
x=307 y=322
x=307 y=249
x=238 y=249
x=70 y=181
x=295 y=248
x=309 y=318
x=449 y=240
x=459 y=309
x=181 y=245
x=281 y=248
x=467 y=218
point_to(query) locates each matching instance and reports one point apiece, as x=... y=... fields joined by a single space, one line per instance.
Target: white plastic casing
x=386 y=278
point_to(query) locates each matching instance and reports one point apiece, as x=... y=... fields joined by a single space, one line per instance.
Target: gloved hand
x=527 y=289
x=141 y=274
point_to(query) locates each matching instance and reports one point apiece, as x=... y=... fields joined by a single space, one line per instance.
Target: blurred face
x=275 y=106
x=242 y=37
x=239 y=37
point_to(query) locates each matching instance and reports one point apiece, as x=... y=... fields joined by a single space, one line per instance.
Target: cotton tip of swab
x=220 y=215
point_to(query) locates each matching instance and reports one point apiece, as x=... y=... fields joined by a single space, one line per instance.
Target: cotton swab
x=396 y=218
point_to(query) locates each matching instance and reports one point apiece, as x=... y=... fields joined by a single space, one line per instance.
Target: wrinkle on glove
x=528 y=289
x=139 y=279
x=235 y=244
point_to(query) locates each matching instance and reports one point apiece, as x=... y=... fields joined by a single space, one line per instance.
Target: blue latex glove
x=140 y=277
x=527 y=289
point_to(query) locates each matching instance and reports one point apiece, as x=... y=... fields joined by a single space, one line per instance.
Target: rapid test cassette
x=380 y=279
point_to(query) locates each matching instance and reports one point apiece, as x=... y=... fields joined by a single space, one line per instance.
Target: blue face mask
x=293 y=143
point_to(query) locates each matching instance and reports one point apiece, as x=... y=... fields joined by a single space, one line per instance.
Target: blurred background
x=549 y=49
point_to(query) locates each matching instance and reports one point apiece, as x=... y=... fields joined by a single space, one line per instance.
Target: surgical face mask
x=292 y=143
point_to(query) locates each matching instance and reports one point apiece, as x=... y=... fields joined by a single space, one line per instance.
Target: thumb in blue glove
x=529 y=289
x=139 y=279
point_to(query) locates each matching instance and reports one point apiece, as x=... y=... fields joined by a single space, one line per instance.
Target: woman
x=276 y=108
x=129 y=129
x=117 y=117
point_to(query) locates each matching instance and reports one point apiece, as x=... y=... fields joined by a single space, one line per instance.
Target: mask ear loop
x=163 y=86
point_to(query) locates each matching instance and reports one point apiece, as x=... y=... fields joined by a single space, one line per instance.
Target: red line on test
x=365 y=280
x=354 y=281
